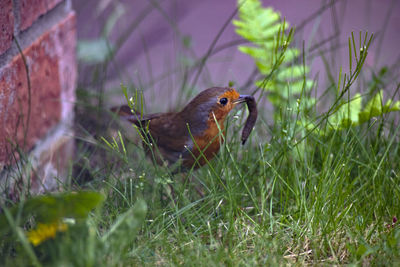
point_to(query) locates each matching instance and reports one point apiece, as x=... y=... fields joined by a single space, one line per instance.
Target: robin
x=193 y=136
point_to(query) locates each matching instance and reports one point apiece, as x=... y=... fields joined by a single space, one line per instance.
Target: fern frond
x=265 y=30
x=350 y=113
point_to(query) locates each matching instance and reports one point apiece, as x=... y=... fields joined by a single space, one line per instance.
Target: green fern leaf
x=375 y=108
x=351 y=113
x=347 y=114
x=264 y=29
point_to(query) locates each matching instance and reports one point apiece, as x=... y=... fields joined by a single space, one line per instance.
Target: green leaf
x=51 y=208
x=347 y=113
x=94 y=51
x=376 y=108
x=264 y=28
x=351 y=114
x=256 y=52
x=293 y=72
x=126 y=227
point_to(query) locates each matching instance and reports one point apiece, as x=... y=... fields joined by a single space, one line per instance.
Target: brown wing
x=167 y=130
x=171 y=136
x=125 y=112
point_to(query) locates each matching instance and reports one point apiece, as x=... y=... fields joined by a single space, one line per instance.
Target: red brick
x=30 y=10
x=47 y=58
x=24 y=121
x=6 y=24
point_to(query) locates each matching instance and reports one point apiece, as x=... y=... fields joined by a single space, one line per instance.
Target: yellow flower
x=45 y=231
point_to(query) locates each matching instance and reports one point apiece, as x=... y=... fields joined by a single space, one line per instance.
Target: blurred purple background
x=153 y=55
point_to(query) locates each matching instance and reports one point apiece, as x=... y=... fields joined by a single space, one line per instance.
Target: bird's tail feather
x=132 y=115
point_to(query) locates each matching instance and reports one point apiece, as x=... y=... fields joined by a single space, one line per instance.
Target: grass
x=332 y=202
x=288 y=197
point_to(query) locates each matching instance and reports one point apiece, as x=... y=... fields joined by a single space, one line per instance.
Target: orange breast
x=206 y=145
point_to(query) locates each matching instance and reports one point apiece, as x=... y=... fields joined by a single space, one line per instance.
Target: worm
x=251 y=119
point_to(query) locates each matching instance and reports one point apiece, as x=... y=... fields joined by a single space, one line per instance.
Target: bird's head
x=211 y=104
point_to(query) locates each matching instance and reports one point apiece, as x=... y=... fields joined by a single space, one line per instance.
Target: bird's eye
x=223 y=101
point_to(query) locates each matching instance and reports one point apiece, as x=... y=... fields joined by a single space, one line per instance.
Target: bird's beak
x=241 y=99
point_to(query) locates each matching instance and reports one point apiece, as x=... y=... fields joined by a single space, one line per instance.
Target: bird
x=193 y=136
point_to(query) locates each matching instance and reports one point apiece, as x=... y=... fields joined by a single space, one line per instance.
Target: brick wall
x=37 y=83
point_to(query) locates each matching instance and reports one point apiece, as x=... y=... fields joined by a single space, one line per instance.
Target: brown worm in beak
x=251 y=119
